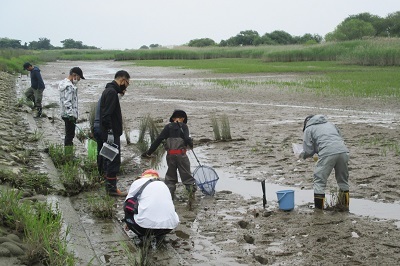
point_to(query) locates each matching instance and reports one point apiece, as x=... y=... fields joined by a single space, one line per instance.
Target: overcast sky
x=129 y=24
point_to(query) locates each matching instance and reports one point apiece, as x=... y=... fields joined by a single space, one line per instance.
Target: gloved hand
x=72 y=119
x=110 y=137
x=146 y=155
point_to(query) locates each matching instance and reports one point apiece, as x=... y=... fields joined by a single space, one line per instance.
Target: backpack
x=131 y=205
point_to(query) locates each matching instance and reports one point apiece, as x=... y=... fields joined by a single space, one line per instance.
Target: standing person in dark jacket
x=324 y=138
x=35 y=92
x=111 y=127
x=176 y=134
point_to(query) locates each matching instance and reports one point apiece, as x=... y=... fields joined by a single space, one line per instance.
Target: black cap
x=178 y=113
x=26 y=65
x=77 y=70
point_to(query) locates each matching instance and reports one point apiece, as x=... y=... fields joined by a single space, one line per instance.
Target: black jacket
x=172 y=130
x=110 y=110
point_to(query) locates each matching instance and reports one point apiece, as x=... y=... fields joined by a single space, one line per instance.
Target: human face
x=124 y=84
x=75 y=78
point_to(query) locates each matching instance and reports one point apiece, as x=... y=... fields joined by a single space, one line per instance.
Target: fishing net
x=206 y=179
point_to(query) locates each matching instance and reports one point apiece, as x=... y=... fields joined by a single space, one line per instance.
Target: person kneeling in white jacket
x=156 y=212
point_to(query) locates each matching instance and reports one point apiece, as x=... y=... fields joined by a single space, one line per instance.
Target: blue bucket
x=286 y=199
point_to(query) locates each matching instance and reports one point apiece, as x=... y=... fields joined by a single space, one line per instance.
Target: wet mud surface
x=232 y=228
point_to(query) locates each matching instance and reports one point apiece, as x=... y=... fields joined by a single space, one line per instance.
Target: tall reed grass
x=42 y=227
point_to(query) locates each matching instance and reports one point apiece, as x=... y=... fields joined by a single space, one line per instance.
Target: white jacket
x=156 y=208
x=68 y=98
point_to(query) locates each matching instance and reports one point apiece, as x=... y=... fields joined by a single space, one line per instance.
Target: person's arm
x=308 y=145
x=110 y=103
x=188 y=140
x=67 y=101
x=35 y=75
x=163 y=135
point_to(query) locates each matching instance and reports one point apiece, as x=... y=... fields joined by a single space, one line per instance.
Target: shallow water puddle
x=250 y=188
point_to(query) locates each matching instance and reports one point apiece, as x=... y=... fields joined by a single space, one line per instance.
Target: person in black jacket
x=35 y=92
x=111 y=127
x=176 y=134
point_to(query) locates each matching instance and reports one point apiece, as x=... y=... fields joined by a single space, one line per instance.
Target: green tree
x=377 y=22
x=351 y=29
x=72 y=44
x=154 y=45
x=42 y=44
x=281 y=37
x=247 y=37
x=203 y=42
x=392 y=24
x=144 y=47
x=10 y=43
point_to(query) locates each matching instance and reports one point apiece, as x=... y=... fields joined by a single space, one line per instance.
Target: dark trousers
x=141 y=232
x=181 y=163
x=69 y=132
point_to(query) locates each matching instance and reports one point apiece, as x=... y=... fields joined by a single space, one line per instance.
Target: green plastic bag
x=92 y=149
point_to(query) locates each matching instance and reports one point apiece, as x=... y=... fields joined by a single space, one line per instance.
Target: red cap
x=150 y=172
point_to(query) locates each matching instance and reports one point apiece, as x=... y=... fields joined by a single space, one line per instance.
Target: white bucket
x=109 y=151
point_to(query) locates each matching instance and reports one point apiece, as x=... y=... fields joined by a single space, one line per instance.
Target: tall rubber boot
x=39 y=112
x=344 y=200
x=319 y=201
x=111 y=187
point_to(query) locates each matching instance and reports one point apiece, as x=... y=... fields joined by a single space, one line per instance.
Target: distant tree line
x=43 y=44
x=353 y=27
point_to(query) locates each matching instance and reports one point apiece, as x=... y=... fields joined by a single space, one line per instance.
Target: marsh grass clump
x=57 y=154
x=91 y=117
x=24 y=102
x=387 y=146
x=140 y=256
x=42 y=226
x=215 y=127
x=29 y=179
x=71 y=177
x=143 y=124
x=153 y=128
x=147 y=125
x=36 y=136
x=225 y=132
x=225 y=128
x=102 y=206
x=127 y=130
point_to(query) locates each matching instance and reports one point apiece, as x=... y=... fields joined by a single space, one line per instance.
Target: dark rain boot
x=319 y=201
x=172 y=194
x=343 y=200
x=191 y=189
x=111 y=187
x=39 y=112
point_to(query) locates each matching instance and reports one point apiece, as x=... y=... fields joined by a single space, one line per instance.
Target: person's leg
x=30 y=96
x=342 y=179
x=112 y=171
x=185 y=174
x=69 y=132
x=321 y=173
x=38 y=101
x=171 y=176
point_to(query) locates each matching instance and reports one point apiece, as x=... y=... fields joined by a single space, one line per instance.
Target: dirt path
x=233 y=228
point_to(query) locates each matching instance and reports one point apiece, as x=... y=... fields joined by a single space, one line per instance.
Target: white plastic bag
x=297 y=149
